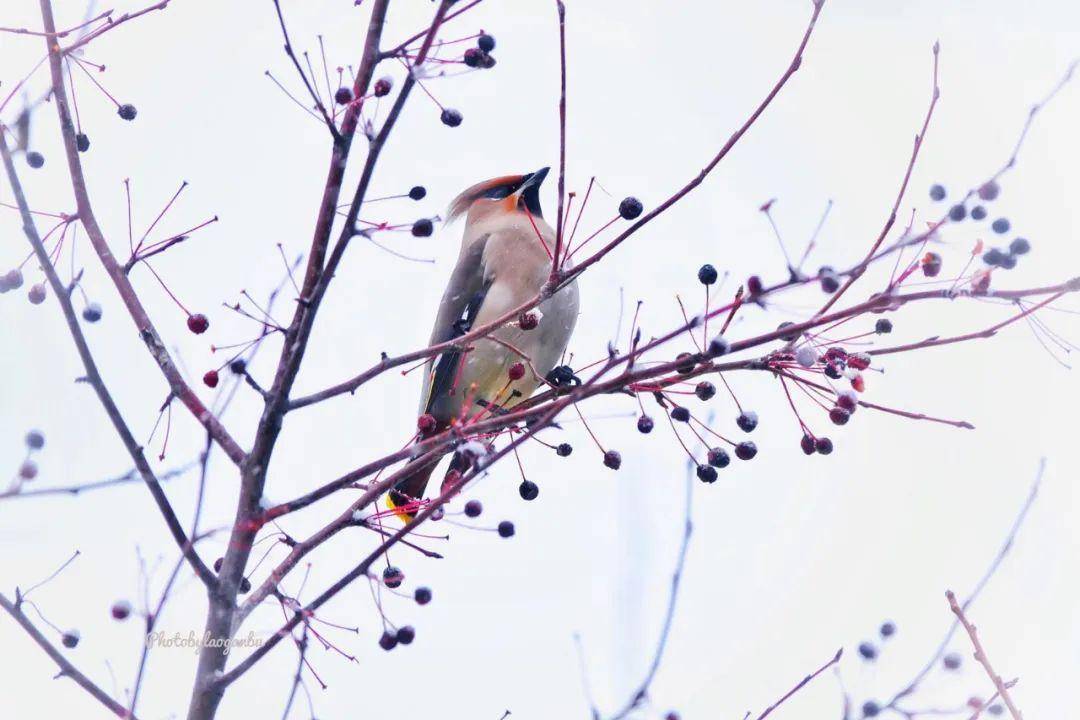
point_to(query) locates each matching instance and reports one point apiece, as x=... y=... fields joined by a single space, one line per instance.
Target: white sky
x=791 y=557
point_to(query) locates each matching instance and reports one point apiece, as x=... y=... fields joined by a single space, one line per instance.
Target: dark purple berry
x=680 y=414
x=36 y=294
x=831 y=371
x=120 y=610
x=707 y=274
x=485 y=42
x=888 y=629
x=718 y=346
x=706 y=473
x=35 y=440
x=870 y=709
x=127 y=111
x=506 y=529
x=931 y=264
x=867 y=651
x=612 y=459
x=406 y=634
x=245 y=585
x=989 y=191
x=645 y=424
x=719 y=458
x=789 y=336
x=392 y=576
x=450 y=117
x=807 y=444
x=747 y=420
x=35 y=159
x=70 y=639
x=746 y=450
x=487 y=61
x=422 y=595
x=705 y=390
x=472 y=57
x=417 y=192
x=830 y=283
x=823 y=445
x=473 y=508
x=883 y=326
x=937 y=193
x=957 y=212
x=993 y=257
x=528 y=490
x=82 y=143
x=685 y=364
x=1019 y=246
x=388 y=642
x=754 y=285
x=343 y=96
x=978 y=213
x=92 y=313
x=1001 y=226
x=630 y=208
x=422 y=228
x=210 y=379
x=13 y=279
x=564 y=449
x=1008 y=262
x=839 y=415
x=383 y=86
x=951 y=661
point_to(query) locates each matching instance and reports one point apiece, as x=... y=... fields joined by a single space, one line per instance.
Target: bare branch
x=66 y=668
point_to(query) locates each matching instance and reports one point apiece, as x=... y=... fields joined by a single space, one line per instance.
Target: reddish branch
x=93 y=376
x=565 y=277
x=616 y=375
x=177 y=385
x=1010 y=539
x=801 y=684
x=112 y=24
x=982 y=658
x=935 y=94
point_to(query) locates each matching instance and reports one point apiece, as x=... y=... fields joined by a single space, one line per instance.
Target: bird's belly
x=484 y=374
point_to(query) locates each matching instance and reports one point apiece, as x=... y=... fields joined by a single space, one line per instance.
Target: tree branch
x=177 y=385
x=66 y=668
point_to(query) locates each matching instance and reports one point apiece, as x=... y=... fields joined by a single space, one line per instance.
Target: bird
x=504 y=261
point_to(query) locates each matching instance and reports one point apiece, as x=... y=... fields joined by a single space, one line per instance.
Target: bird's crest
x=461 y=203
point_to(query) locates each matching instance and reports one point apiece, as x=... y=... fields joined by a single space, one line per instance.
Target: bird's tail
x=404 y=498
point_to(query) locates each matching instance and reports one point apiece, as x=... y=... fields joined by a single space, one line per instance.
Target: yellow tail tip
x=397 y=502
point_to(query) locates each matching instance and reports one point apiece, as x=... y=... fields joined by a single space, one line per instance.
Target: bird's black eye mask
x=530 y=199
x=500 y=192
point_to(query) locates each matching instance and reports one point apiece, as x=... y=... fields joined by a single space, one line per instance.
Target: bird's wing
x=462 y=299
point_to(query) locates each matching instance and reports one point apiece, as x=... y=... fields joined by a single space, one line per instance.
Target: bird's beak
x=533 y=180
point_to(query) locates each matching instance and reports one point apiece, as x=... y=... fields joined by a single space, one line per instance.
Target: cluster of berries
x=35 y=441
x=1004 y=258
x=480 y=56
x=951 y=662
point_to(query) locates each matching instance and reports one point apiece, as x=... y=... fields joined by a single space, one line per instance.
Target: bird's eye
x=498 y=193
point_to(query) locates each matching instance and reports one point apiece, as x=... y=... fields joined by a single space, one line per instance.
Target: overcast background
x=791 y=558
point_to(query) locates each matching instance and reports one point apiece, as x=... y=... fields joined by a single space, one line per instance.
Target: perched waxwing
x=503 y=263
